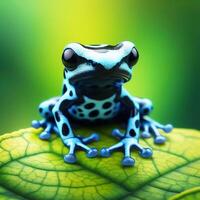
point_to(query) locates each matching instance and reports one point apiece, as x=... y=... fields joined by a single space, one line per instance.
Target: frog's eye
x=133 y=57
x=69 y=59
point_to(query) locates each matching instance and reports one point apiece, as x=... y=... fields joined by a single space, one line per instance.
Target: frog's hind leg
x=48 y=123
x=150 y=127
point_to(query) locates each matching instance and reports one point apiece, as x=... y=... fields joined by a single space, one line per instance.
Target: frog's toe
x=117 y=133
x=95 y=137
x=168 y=128
x=146 y=152
x=70 y=158
x=92 y=153
x=145 y=134
x=92 y=138
x=45 y=135
x=36 y=124
x=159 y=139
x=128 y=162
x=105 y=152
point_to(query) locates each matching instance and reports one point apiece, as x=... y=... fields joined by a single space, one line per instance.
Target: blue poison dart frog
x=93 y=91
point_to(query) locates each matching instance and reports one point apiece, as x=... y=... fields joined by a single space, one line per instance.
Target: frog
x=93 y=91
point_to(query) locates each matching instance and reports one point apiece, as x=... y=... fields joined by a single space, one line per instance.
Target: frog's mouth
x=101 y=77
x=100 y=84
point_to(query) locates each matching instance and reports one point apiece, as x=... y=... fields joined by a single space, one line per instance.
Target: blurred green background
x=33 y=34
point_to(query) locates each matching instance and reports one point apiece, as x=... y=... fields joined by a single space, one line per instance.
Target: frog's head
x=99 y=66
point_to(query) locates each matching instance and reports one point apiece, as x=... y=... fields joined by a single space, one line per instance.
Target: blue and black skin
x=93 y=91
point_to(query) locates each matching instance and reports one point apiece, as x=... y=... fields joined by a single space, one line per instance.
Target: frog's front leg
x=131 y=137
x=66 y=133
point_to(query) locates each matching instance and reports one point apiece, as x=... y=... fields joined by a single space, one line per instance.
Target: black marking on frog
x=65 y=129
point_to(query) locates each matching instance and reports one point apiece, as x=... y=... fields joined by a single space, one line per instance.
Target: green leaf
x=5 y=194
x=34 y=169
